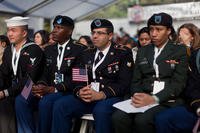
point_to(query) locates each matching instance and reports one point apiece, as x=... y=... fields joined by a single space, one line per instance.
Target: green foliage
x=119 y=9
x=2 y=25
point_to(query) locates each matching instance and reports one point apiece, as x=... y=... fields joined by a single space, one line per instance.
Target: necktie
x=99 y=57
x=15 y=59
x=60 y=51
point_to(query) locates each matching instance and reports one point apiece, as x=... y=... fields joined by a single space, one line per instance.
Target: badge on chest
x=113 y=68
x=69 y=60
x=95 y=86
x=158 y=86
x=59 y=78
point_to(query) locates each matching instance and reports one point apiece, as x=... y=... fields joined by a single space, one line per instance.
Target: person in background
x=188 y=35
x=51 y=41
x=173 y=36
x=85 y=40
x=144 y=37
x=143 y=40
x=124 y=39
x=182 y=119
x=155 y=78
x=4 y=42
x=41 y=38
x=133 y=46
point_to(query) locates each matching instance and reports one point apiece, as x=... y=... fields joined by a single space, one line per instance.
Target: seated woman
x=182 y=119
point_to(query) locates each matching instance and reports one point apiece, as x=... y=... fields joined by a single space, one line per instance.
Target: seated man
x=54 y=82
x=22 y=60
x=109 y=69
x=156 y=78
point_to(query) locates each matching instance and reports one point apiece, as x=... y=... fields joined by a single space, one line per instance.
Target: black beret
x=163 y=19
x=101 y=23
x=64 y=21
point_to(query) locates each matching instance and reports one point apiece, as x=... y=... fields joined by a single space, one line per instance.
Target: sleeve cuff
x=109 y=92
x=76 y=89
x=56 y=90
x=42 y=82
x=60 y=87
x=198 y=111
x=104 y=95
x=6 y=94
x=156 y=98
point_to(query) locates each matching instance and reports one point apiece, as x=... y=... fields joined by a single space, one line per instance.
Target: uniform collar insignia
x=68 y=48
x=129 y=64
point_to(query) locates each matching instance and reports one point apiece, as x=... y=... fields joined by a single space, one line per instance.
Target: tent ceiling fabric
x=50 y=8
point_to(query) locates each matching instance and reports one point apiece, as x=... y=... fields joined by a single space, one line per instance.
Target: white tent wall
x=50 y=8
x=36 y=23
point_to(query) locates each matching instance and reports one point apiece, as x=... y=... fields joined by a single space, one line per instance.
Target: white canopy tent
x=76 y=9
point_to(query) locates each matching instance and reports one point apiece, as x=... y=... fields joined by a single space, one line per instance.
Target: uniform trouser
x=175 y=120
x=7 y=115
x=24 y=113
x=137 y=122
x=45 y=112
x=69 y=107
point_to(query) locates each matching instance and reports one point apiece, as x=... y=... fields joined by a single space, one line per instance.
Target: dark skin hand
x=40 y=90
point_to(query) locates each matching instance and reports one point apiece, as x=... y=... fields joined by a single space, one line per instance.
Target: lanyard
x=15 y=60
x=94 y=67
x=59 y=60
x=16 y=56
x=156 y=54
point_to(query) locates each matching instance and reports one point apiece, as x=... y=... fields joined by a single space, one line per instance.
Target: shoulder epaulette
x=77 y=43
x=90 y=48
x=122 y=47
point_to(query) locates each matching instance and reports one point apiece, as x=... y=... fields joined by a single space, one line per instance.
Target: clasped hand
x=87 y=94
x=40 y=90
x=142 y=99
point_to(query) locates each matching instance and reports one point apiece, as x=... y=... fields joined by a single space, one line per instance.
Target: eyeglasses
x=98 y=33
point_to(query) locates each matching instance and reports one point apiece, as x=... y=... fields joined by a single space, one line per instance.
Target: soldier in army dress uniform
x=156 y=78
x=109 y=74
x=55 y=80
